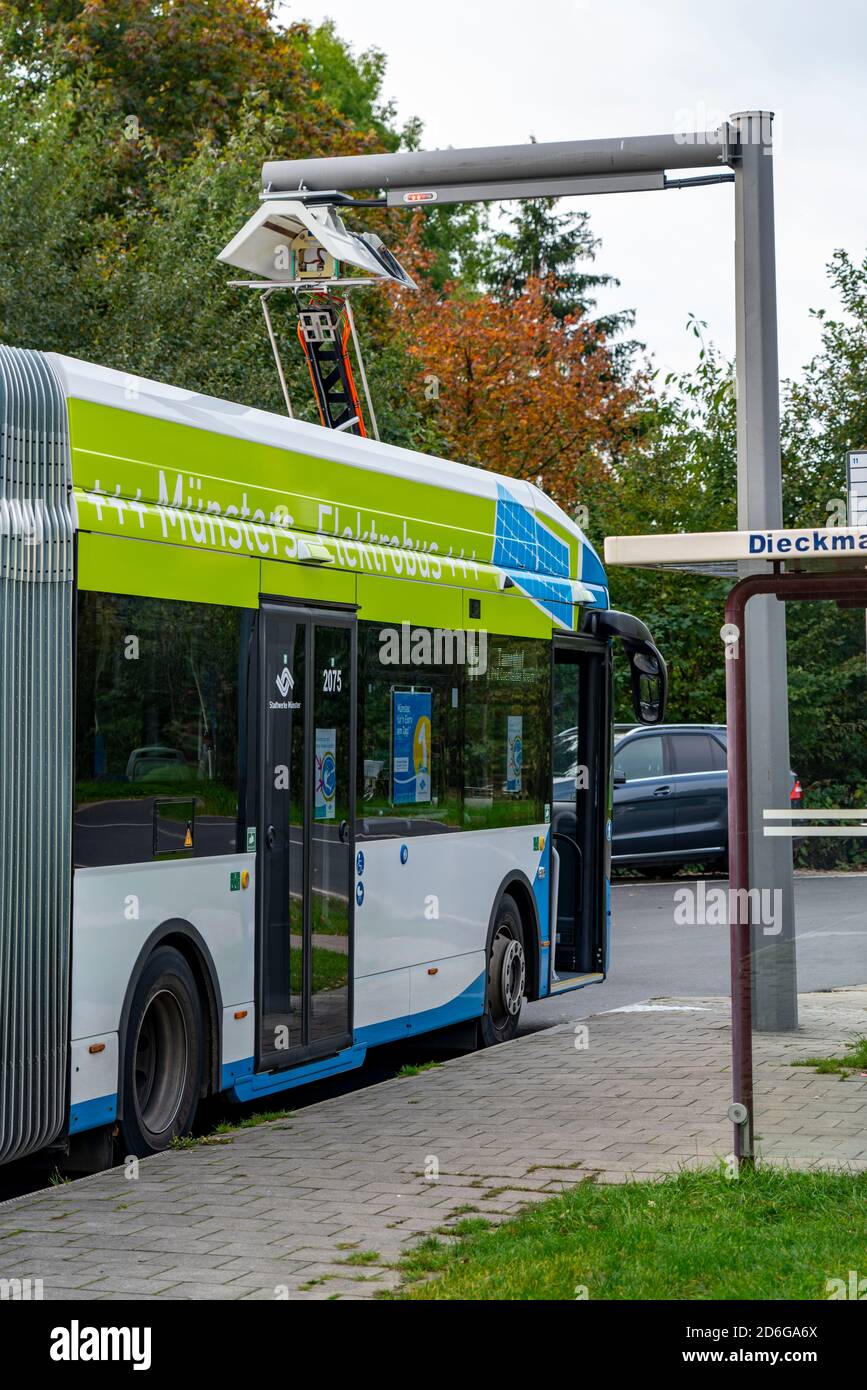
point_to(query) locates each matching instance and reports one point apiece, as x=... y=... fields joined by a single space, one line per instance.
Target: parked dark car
x=670 y=795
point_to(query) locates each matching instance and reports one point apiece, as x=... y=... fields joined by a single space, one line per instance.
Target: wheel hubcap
x=160 y=1063
x=508 y=976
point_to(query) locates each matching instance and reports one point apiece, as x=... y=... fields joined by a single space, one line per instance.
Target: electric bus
x=277 y=712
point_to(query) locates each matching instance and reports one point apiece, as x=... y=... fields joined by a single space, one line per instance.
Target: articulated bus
x=277 y=710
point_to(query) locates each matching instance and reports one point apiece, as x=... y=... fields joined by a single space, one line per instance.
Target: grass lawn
x=770 y=1234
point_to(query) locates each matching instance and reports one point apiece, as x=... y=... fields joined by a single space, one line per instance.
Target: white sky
x=498 y=71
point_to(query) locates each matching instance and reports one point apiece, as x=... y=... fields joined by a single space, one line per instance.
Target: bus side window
x=507 y=725
x=410 y=741
x=157 y=729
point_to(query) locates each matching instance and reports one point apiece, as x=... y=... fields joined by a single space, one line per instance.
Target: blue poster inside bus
x=410 y=746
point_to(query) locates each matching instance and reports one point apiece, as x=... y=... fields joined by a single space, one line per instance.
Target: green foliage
x=680 y=475
x=837 y=852
x=825 y=410
x=827 y=688
x=854 y=1060
x=457 y=237
x=542 y=242
x=176 y=71
x=349 y=84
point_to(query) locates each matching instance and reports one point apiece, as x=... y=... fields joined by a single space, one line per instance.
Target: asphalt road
x=650 y=956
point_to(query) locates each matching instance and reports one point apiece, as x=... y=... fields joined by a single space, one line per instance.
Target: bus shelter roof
x=721 y=552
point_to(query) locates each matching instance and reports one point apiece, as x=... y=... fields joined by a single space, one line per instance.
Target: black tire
x=507 y=976
x=163 y=1055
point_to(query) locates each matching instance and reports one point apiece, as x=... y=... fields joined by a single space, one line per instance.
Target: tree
x=178 y=71
x=825 y=415
x=108 y=235
x=348 y=83
x=825 y=410
x=680 y=474
x=509 y=385
x=545 y=244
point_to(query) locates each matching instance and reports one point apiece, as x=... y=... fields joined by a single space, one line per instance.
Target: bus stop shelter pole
x=844 y=587
x=760 y=507
x=739 y=872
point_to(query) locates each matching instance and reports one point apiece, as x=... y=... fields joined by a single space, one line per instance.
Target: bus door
x=305 y=879
x=581 y=695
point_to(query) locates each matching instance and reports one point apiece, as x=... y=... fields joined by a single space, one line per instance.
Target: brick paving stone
x=282 y=1206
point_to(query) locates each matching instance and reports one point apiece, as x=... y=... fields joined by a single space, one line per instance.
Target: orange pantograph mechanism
x=324 y=332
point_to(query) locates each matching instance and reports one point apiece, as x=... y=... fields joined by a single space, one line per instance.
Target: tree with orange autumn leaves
x=508 y=385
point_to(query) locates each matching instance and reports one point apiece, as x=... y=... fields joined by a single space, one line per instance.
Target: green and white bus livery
x=278 y=708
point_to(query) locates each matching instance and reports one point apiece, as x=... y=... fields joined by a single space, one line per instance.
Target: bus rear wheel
x=507 y=977
x=162 y=1064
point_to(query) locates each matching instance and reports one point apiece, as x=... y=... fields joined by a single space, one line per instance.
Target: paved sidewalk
x=287 y=1209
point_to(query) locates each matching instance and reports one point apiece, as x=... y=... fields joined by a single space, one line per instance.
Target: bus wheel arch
x=512 y=943
x=183 y=937
x=519 y=888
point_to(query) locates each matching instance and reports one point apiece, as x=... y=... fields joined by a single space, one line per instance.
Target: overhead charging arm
x=417 y=178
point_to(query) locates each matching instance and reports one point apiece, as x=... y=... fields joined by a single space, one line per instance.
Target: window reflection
x=507 y=748
x=443 y=746
x=157 y=742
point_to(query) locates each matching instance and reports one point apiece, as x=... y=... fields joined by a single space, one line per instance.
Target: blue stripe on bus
x=592 y=570
x=470 y=1003
x=90 y=1114
x=251 y=1087
x=542 y=894
x=239 y=1078
x=233 y=1071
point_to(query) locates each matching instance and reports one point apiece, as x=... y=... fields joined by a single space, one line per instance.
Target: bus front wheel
x=507 y=977
x=162 y=1064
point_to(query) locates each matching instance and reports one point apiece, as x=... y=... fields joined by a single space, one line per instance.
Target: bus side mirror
x=649 y=676
x=647 y=669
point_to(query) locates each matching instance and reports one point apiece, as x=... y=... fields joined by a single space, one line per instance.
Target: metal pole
x=360 y=360
x=276 y=352
x=558 y=159
x=760 y=506
x=739 y=875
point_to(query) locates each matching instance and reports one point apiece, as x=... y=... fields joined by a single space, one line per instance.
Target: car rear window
x=718 y=753
x=696 y=753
